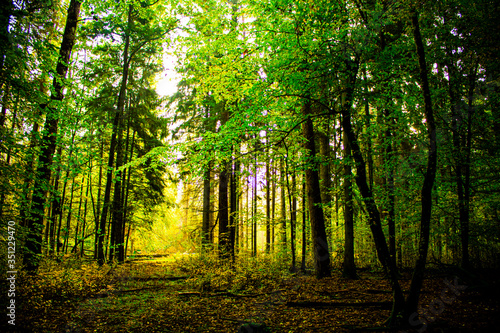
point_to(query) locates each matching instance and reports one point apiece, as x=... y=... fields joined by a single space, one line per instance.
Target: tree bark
x=268 y=201
x=283 y=201
x=325 y=173
x=205 y=224
x=320 y=241
x=374 y=219
x=223 y=214
x=430 y=174
x=106 y=203
x=349 y=266
x=233 y=203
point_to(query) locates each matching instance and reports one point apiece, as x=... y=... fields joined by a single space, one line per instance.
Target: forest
x=249 y=165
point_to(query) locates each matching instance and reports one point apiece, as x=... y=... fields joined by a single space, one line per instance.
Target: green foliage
x=208 y=274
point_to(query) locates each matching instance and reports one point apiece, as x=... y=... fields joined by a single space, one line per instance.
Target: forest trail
x=156 y=297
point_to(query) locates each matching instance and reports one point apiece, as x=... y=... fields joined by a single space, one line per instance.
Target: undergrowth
x=207 y=273
x=62 y=281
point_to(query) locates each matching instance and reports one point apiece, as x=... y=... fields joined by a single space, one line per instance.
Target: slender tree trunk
x=325 y=173
x=374 y=219
x=116 y=246
x=97 y=207
x=293 y=217
x=68 y=217
x=283 y=201
x=320 y=241
x=349 y=266
x=268 y=201
x=248 y=214
x=84 y=224
x=464 y=216
x=369 y=153
x=205 y=227
x=112 y=147
x=48 y=142
x=56 y=206
x=391 y=217
x=213 y=215
x=430 y=174
x=304 y=213
x=77 y=228
x=254 y=208
x=223 y=214
x=273 y=204
x=233 y=198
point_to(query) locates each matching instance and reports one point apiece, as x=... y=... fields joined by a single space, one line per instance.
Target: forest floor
x=188 y=296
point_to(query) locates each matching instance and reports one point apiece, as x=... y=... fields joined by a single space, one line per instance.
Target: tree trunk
x=304 y=237
x=349 y=266
x=293 y=216
x=374 y=220
x=223 y=214
x=391 y=217
x=68 y=218
x=97 y=207
x=283 y=202
x=325 y=173
x=320 y=242
x=106 y=203
x=116 y=246
x=234 y=214
x=48 y=142
x=205 y=224
x=273 y=204
x=430 y=174
x=268 y=201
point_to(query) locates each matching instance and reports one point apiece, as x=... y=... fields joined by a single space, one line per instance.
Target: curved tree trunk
x=374 y=219
x=430 y=175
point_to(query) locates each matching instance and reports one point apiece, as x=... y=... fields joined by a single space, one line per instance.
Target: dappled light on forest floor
x=198 y=296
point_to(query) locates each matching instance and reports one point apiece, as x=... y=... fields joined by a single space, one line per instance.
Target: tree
x=48 y=142
x=349 y=265
x=316 y=216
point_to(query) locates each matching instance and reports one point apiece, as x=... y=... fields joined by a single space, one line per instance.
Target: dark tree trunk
x=268 y=202
x=97 y=207
x=369 y=153
x=464 y=216
x=293 y=216
x=234 y=214
x=325 y=173
x=430 y=174
x=349 y=266
x=254 y=207
x=273 y=204
x=5 y=14
x=205 y=224
x=374 y=219
x=68 y=217
x=106 y=203
x=116 y=246
x=283 y=202
x=391 y=217
x=48 y=142
x=320 y=242
x=223 y=214
x=304 y=214
x=461 y=154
